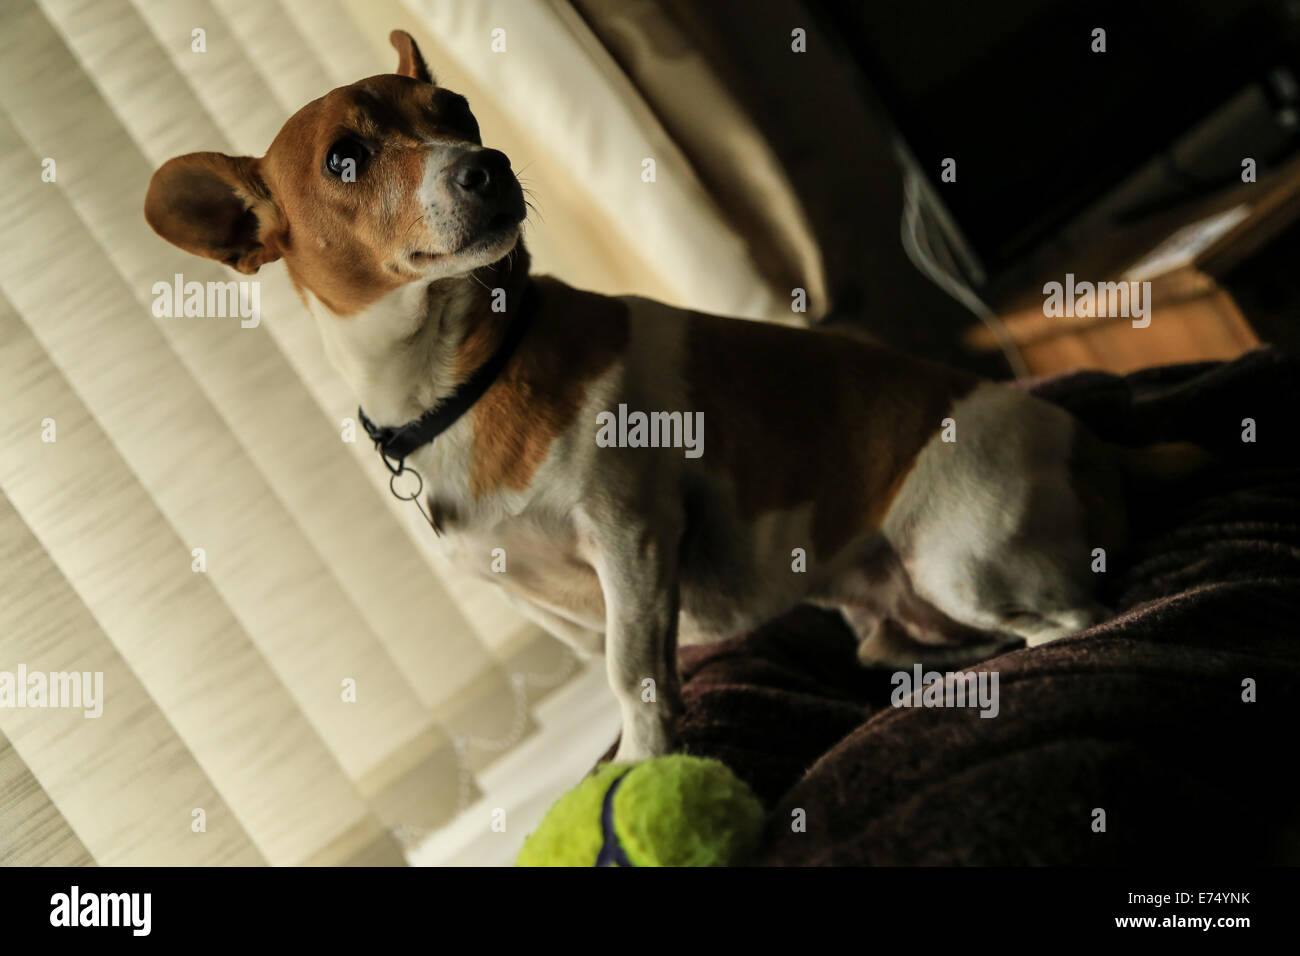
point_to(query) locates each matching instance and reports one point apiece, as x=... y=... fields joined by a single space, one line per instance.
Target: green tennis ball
x=671 y=811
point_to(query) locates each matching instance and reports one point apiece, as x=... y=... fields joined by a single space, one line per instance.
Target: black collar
x=395 y=443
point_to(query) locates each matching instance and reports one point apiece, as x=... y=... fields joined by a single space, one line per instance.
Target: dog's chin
x=491 y=243
x=483 y=248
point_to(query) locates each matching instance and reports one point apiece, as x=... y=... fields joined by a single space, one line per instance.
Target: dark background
x=1046 y=133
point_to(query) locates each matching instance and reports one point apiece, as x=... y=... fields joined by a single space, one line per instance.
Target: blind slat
x=148 y=786
x=32 y=831
x=102 y=530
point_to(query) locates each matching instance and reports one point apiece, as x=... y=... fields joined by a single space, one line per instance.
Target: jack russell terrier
x=938 y=512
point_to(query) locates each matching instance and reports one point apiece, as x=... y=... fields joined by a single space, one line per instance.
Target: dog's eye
x=347 y=155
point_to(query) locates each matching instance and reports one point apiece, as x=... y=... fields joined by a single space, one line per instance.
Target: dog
x=942 y=514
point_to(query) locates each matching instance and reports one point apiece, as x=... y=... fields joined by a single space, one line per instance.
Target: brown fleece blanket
x=1142 y=717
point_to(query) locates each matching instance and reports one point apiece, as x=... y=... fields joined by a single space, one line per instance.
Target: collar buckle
x=388 y=460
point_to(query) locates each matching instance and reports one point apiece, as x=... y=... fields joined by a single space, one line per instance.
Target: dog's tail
x=1162 y=462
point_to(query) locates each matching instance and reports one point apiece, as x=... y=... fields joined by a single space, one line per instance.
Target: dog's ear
x=409 y=61
x=216 y=206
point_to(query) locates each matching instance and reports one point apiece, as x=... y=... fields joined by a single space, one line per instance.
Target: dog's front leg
x=636 y=562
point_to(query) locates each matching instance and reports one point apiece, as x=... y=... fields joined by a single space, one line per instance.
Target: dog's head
x=370 y=187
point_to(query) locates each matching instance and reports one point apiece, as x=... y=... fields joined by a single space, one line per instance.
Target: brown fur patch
x=845 y=418
x=575 y=336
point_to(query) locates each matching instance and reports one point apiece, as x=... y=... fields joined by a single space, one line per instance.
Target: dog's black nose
x=481 y=173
